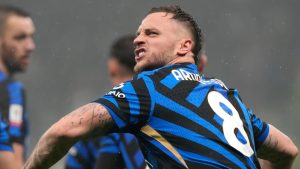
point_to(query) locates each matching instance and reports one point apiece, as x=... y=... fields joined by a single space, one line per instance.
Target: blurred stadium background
x=251 y=45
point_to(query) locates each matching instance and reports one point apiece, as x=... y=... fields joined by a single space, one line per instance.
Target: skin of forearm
x=19 y=154
x=283 y=163
x=50 y=148
x=89 y=120
x=278 y=150
x=278 y=161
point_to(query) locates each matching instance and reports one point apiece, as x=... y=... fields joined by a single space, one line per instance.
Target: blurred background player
x=117 y=150
x=16 y=46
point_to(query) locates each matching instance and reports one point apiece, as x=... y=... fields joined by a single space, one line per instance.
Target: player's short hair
x=185 y=18
x=6 y=11
x=122 y=49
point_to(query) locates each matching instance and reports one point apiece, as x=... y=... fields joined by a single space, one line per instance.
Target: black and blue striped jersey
x=114 y=151
x=183 y=120
x=4 y=137
x=13 y=110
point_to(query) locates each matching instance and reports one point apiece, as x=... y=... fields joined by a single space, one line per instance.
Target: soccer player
x=117 y=150
x=180 y=119
x=16 y=46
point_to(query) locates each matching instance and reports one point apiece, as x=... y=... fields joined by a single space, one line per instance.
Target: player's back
x=201 y=123
x=185 y=121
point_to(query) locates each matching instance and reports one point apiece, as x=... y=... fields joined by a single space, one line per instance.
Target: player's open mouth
x=139 y=53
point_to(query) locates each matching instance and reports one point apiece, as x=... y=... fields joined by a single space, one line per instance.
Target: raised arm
x=87 y=121
x=278 y=151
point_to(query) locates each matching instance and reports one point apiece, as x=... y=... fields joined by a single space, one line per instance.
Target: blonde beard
x=160 y=60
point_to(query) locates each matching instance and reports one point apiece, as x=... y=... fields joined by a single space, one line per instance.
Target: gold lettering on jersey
x=181 y=74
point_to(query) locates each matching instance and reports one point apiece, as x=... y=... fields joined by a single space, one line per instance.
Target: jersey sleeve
x=260 y=129
x=18 y=123
x=130 y=104
x=4 y=137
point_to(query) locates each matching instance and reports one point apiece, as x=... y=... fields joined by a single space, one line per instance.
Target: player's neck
x=185 y=59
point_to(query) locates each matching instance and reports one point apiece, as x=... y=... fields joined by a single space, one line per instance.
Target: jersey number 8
x=231 y=121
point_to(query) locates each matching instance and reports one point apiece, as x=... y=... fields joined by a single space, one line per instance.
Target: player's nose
x=30 y=45
x=138 y=41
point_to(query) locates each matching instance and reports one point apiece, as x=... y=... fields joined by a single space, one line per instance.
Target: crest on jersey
x=15 y=114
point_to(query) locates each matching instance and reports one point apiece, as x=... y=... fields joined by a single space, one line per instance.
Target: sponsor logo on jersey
x=116 y=93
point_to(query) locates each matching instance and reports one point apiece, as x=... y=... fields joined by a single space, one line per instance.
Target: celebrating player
x=16 y=45
x=180 y=119
x=117 y=150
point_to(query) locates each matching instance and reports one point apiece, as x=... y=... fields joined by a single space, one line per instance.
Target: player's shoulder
x=213 y=80
x=15 y=88
x=159 y=71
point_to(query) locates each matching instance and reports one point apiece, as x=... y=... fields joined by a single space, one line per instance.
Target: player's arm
x=7 y=160
x=19 y=154
x=89 y=120
x=18 y=123
x=278 y=150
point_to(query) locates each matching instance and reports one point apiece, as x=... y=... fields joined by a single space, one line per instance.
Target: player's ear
x=185 y=47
